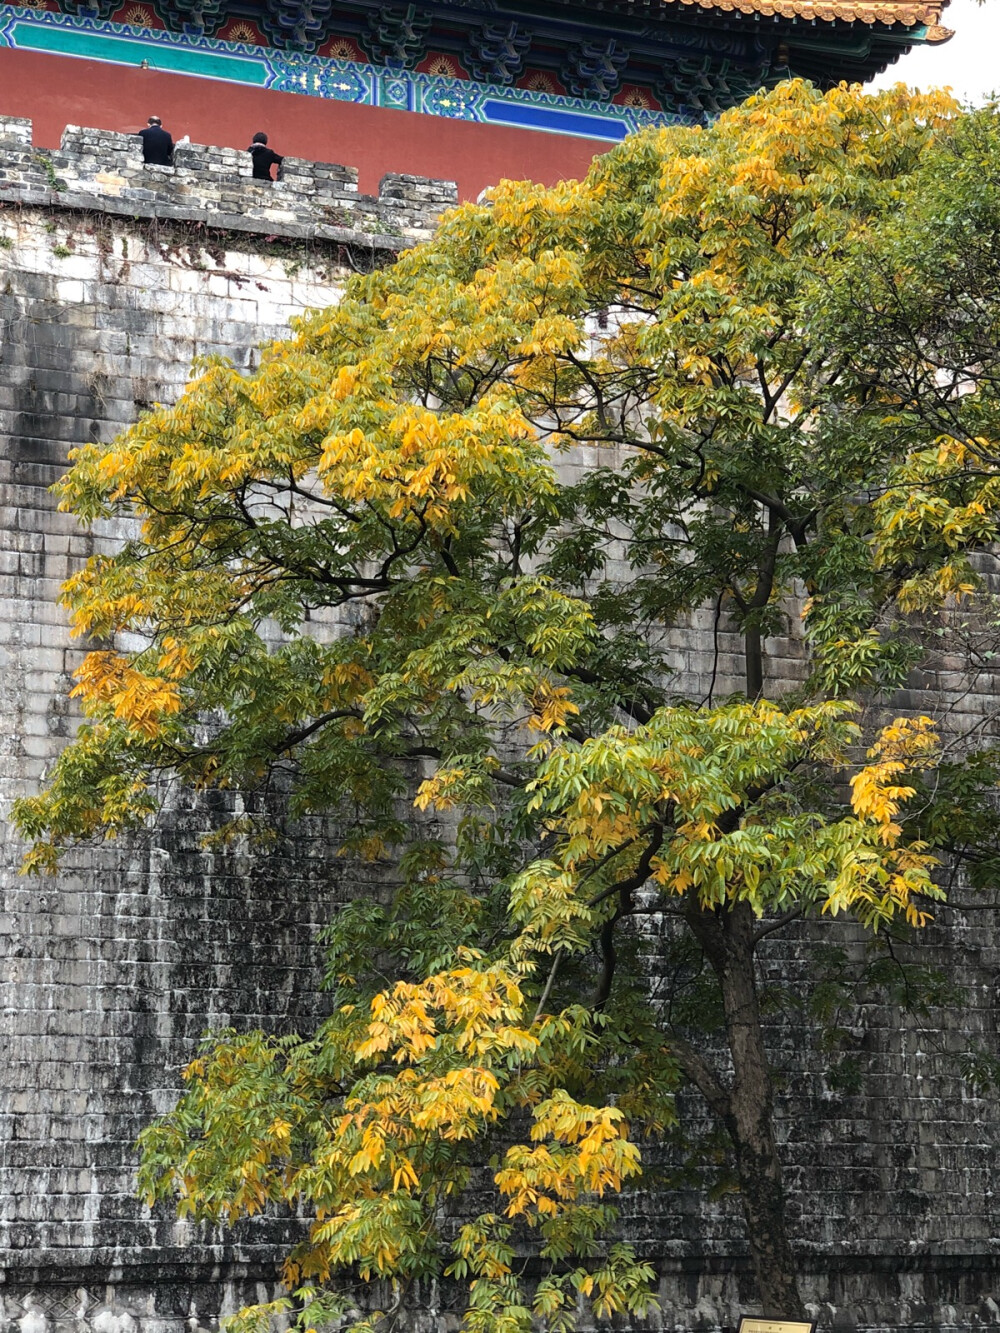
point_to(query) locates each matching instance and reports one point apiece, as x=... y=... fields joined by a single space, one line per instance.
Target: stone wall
x=213 y=188
x=112 y=277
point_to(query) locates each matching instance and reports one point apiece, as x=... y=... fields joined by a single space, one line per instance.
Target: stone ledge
x=220 y=1261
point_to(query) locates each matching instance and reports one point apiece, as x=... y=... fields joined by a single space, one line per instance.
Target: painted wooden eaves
x=888 y=12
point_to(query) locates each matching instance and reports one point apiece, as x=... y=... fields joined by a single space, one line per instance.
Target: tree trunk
x=727 y=938
x=753 y=639
x=752 y=1114
x=754 y=657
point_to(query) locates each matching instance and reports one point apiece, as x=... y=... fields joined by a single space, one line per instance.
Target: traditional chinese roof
x=594 y=69
x=889 y=12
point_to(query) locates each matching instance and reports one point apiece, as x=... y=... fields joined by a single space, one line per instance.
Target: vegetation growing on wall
x=765 y=420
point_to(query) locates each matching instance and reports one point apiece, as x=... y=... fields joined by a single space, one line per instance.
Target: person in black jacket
x=157 y=145
x=263 y=158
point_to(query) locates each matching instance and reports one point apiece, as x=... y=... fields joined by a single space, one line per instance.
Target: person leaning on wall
x=157 y=145
x=263 y=158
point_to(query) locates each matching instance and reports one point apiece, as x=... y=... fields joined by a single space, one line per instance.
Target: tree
x=917 y=314
x=916 y=318
x=404 y=466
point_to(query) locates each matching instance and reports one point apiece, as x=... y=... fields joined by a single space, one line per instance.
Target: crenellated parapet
x=101 y=170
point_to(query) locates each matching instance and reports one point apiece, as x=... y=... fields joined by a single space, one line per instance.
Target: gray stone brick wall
x=112 y=277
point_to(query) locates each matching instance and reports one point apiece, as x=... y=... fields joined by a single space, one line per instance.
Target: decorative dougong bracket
x=497 y=54
x=297 y=25
x=396 y=37
x=93 y=9
x=701 y=87
x=594 y=69
x=194 y=18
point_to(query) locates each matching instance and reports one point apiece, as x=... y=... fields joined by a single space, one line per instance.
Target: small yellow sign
x=776 y=1326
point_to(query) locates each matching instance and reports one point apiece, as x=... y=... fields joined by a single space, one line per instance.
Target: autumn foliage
x=502 y=504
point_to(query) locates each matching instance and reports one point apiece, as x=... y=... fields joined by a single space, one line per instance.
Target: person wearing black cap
x=263 y=158
x=157 y=145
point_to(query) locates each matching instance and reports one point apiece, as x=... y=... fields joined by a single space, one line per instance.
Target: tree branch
x=636 y=880
x=624 y=888
x=701 y=1074
x=769 y=927
x=297 y=737
x=556 y=960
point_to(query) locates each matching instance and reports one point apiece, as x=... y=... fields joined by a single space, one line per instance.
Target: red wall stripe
x=55 y=91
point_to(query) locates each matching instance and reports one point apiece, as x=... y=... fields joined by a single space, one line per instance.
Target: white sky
x=969 y=62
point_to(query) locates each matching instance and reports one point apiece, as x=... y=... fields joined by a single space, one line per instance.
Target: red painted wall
x=55 y=91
